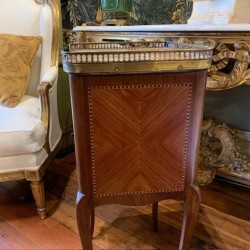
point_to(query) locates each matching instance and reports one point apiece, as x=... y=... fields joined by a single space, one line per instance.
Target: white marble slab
x=165 y=28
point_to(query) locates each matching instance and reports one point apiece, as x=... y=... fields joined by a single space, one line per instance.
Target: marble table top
x=166 y=28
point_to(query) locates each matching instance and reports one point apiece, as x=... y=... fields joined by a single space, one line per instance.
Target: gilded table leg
x=84 y=221
x=191 y=211
x=37 y=188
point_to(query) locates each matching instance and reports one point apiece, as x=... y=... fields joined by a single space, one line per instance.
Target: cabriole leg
x=84 y=217
x=191 y=211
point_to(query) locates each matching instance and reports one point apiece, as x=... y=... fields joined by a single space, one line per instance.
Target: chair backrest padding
x=26 y=17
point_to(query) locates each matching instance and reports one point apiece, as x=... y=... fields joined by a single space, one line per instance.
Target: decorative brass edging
x=230 y=63
x=134 y=57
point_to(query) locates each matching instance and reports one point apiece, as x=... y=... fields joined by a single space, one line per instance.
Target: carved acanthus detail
x=219 y=148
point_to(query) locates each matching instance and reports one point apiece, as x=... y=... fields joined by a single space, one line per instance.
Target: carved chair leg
x=37 y=188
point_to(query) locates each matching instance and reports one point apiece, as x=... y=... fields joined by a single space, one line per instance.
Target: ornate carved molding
x=230 y=66
x=8 y=176
x=219 y=149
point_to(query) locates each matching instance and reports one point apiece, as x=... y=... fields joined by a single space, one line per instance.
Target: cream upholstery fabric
x=36 y=21
x=23 y=162
x=30 y=132
x=21 y=124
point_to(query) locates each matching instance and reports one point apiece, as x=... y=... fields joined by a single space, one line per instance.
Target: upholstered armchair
x=30 y=133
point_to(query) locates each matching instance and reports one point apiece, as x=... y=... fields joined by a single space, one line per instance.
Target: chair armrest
x=48 y=81
x=43 y=91
x=51 y=75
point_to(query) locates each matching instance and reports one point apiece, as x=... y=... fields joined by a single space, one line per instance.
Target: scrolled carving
x=219 y=148
x=230 y=64
x=239 y=163
x=204 y=175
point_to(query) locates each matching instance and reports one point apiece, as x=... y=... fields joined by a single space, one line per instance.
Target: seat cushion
x=23 y=162
x=21 y=130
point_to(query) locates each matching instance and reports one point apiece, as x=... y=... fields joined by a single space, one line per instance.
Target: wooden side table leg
x=155 y=216
x=92 y=221
x=84 y=221
x=191 y=211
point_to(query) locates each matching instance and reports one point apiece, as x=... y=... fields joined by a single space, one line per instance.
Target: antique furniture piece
x=219 y=152
x=137 y=110
x=29 y=127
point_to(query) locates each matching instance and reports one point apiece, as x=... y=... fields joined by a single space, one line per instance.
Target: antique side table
x=137 y=112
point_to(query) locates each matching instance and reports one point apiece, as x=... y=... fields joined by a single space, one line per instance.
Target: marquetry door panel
x=138 y=137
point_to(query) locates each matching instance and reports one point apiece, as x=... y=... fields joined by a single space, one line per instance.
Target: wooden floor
x=223 y=223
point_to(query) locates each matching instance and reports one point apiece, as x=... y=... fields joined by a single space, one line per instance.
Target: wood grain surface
x=223 y=221
x=137 y=138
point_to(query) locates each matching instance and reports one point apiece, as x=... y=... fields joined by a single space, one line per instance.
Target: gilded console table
x=219 y=151
x=137 y=111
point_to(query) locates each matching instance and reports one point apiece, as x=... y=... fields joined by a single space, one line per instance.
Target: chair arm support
x=49 y=79
x=43 y=91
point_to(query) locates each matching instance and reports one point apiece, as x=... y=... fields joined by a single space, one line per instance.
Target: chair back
x=31 y=18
